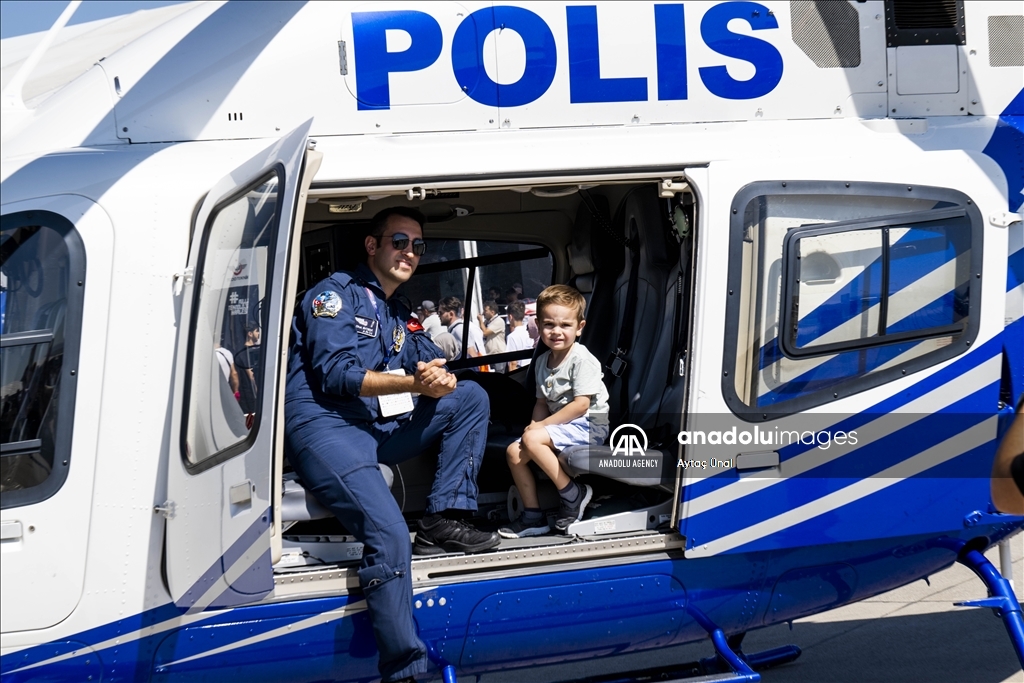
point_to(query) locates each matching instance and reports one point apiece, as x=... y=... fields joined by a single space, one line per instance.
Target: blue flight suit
x=335 y=438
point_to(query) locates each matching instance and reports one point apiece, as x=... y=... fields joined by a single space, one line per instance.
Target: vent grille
x=925 y=14
x=924 y=22
x=1006 y=40
x=827 y=31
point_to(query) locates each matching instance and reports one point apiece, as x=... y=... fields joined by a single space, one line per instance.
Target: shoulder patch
x=326 y=304
x=413 y=325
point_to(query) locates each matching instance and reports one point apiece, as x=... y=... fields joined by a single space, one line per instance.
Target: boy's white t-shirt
x=578 y=375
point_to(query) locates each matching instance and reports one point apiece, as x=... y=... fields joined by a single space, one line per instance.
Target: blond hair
x=562 y=295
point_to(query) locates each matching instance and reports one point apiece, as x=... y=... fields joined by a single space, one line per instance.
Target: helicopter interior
x=627 y=249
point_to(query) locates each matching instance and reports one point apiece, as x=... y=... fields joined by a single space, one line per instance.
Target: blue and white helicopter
x=797 y=224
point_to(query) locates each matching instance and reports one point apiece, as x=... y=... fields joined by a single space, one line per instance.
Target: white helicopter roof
x=76 y=48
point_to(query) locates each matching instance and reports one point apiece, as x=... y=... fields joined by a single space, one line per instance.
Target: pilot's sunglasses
x=400 y=241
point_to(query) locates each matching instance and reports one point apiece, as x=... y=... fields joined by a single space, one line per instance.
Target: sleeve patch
x=326 y=304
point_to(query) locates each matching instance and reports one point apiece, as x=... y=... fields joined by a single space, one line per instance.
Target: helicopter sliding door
x=219 y=517
x=846 y=388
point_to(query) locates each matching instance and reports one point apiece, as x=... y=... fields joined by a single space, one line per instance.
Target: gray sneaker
x=568 y=514
x=521 y=529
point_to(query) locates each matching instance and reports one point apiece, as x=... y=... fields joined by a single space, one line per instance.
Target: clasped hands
x=433 y=379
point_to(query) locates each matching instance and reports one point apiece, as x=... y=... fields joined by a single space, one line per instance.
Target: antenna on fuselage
x=11 y=96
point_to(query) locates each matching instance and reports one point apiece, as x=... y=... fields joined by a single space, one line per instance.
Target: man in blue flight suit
x=357 y=355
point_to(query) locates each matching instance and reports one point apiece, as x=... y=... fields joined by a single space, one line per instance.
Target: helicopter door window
x=850 y=288
x=226 y=359
x=42 y=275
x=842 y=286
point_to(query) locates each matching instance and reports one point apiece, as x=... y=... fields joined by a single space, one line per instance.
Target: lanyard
x=385 y=349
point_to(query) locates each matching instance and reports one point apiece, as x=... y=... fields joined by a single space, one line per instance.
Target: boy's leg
x=518 y=465
x=575 y=497
x=532 y=521
x=538 y=447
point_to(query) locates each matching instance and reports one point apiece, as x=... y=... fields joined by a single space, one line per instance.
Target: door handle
x=241 y=494
x=10 y=531
x=759 y=465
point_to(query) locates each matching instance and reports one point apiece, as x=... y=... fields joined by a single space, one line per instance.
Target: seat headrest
x=592 y=248
x=580 y=258
x=585 y=283
x=642 y=206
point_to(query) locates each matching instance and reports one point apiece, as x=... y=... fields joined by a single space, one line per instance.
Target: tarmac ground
x=912 y=634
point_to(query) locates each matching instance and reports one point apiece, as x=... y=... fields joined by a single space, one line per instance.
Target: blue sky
x=18 y=18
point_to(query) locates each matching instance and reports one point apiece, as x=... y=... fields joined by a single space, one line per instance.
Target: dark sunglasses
x=400 y=241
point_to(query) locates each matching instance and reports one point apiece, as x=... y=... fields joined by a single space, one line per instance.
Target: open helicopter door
x=850 y=352
x=220 y=523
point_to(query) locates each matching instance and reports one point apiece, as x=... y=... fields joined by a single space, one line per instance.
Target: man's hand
x=433 y=380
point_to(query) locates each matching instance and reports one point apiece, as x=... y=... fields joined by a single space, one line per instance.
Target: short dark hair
x=491 y=304
x=516 y=310
x=450 y=304
x=379 y=223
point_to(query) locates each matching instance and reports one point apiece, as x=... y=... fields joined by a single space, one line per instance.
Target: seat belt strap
x=618 y=362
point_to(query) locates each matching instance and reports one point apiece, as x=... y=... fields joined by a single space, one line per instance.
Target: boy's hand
x=533 y=425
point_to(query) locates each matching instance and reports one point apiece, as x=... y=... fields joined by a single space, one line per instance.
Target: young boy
x=571 y=410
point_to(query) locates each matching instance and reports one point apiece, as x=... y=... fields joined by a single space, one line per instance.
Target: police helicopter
x=797 y=226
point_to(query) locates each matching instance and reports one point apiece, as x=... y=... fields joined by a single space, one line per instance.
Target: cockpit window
x=226 y=358
x=42 y=274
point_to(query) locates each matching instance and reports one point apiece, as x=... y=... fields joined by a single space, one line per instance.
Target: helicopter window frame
x=756 y=280
x=74 y=291
x=243 y=445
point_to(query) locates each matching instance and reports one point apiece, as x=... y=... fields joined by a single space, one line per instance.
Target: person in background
x=492 y=328
x=247 y=361
x=429 y=319
x=518 y=338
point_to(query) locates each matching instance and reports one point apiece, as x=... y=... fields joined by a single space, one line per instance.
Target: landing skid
x=1001 y=597
x=729 y=665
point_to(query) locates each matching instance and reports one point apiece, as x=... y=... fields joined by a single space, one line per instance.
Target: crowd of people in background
x=506 y=324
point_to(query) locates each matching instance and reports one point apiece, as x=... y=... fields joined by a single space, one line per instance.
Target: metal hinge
x=180 y=279
x=342 y=58
x=1003 y=219
x=670 y=187
x=167 y=509
x=414 y=193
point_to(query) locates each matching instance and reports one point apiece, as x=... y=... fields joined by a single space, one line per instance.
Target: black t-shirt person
x=247 y=361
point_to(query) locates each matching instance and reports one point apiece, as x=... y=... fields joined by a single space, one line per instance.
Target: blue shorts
x=582 y=431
